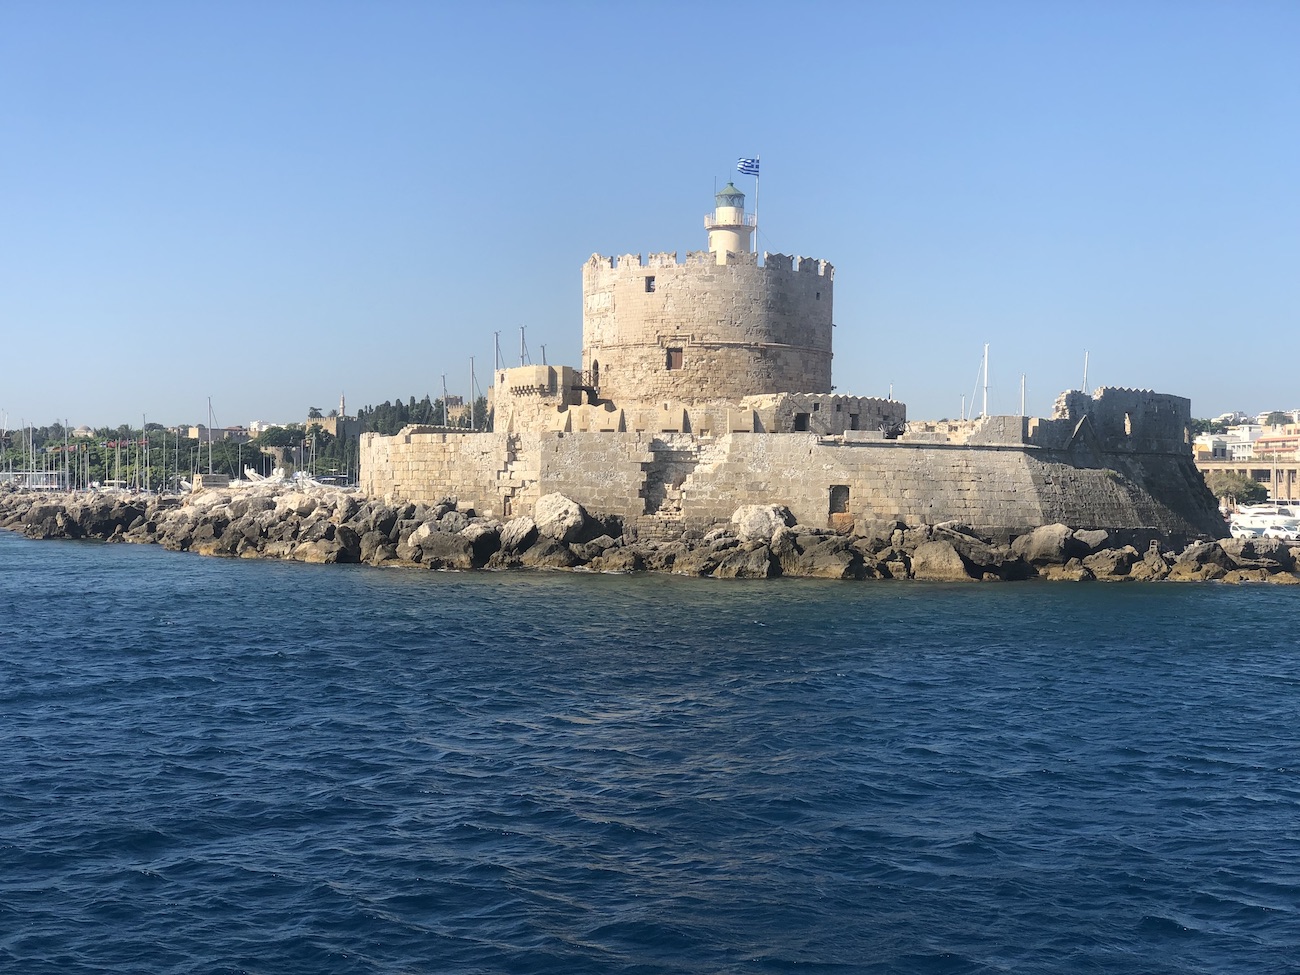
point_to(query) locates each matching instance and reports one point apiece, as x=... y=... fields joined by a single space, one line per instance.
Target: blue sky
x=269 y=203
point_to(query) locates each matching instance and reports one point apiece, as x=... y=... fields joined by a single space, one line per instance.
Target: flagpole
x=759 y=167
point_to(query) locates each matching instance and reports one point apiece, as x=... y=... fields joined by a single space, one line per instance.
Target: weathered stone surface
x=1259 y=553
x=1205 y=553
x=1047 y=545
x=559 y=518
x=517 y=534
x=1111 y=563
x=1073 y=571
x=548 y=553
x=1093 y=540
x=439 y=550
x=1237 y=576
x=758 y=522
x=983 y=559
x=484 y=540
x=755 y=563
x=1153 y=567
x=453 y=521
x=938 y=561
x=618 y=560
x=1196 y=572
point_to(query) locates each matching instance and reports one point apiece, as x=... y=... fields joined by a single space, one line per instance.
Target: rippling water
x=215 y=766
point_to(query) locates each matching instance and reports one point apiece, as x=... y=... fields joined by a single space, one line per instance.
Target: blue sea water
x=219 y=766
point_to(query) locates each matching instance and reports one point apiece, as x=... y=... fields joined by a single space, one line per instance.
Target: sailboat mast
x=985 y=410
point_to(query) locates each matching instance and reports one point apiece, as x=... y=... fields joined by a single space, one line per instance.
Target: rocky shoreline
x=326 y=525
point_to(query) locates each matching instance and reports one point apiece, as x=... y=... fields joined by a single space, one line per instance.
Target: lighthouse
x=729 y=225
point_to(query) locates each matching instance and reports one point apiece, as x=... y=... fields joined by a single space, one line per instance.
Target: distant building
x=202 y=433
x=339 y=425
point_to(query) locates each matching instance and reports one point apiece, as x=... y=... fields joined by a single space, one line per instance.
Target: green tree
x=314 y=413
x=1277 y=418
x=1229 y=484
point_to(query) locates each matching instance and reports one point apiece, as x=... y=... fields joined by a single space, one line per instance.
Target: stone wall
x=699 y=330
x=695 y=481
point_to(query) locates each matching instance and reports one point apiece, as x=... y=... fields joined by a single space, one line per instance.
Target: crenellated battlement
x=669 y=259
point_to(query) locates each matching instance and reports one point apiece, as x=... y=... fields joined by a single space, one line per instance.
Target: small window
x=819 y=296
x=800 y=422
x=817 y=407
x=1128 y=425
x=839 y=499
x=853 y=421
x=838 y=407
x=674 y=359
x=649 y=283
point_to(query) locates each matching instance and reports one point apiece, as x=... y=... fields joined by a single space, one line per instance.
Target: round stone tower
x=718 y=327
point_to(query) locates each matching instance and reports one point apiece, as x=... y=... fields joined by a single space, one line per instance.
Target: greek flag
x=748 y=166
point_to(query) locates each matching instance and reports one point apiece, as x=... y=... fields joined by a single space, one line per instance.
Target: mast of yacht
x=209 y=435
x=984 y=411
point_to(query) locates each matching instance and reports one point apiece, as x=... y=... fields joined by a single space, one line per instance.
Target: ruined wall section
x=1127 y=420
x=699 y=330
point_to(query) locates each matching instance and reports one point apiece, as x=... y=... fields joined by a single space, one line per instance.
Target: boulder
x=939 y=561
x=1259 y=553
x=983 y=559
x=1048 y=545
x=619 y=559
x=755 y=563
x=1093 y=540
x=559 y=518
x=1201 y=554
x=440 y=550
x=453 y=521
x=1111 y=563
x=548 y=553
x=758 y=522
x=1073 y=571
x=518 y=533
x=1152 y=568
x=484 y=540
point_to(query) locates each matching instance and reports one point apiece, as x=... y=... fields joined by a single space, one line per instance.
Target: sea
x=214 y=765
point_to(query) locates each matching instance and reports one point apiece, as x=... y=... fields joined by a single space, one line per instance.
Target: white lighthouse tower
x=729 y=225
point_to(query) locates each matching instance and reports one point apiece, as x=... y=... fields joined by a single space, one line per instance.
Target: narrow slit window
x=649 y=283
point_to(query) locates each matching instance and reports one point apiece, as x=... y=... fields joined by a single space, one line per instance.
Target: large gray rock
x=559 y=518
x=759 y=522
x=518 y=533
x=755 y=563
x=548 y=553
x=439 y=550
x=485 y=541
x=1111 y=563
x=1259 y=553
x=938 y=561
x=1048 y=545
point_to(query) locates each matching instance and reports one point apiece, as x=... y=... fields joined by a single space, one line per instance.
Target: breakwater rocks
x=325 y=525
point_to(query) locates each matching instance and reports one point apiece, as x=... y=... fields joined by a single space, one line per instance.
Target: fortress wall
x=1001 y=489
x=699 y=330
x=604 y=473
x=1124 y=419
x=419 y=465
x=885 y=480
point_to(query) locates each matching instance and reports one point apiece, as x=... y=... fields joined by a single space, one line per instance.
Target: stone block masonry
x=1003 y=488
x=700 y=330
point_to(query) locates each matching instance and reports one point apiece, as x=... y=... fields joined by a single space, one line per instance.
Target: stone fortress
x=705 y=385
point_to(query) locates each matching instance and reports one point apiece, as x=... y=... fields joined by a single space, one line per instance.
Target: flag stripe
x=748 y=166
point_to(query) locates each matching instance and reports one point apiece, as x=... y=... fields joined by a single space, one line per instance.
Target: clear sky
x=269 y=203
